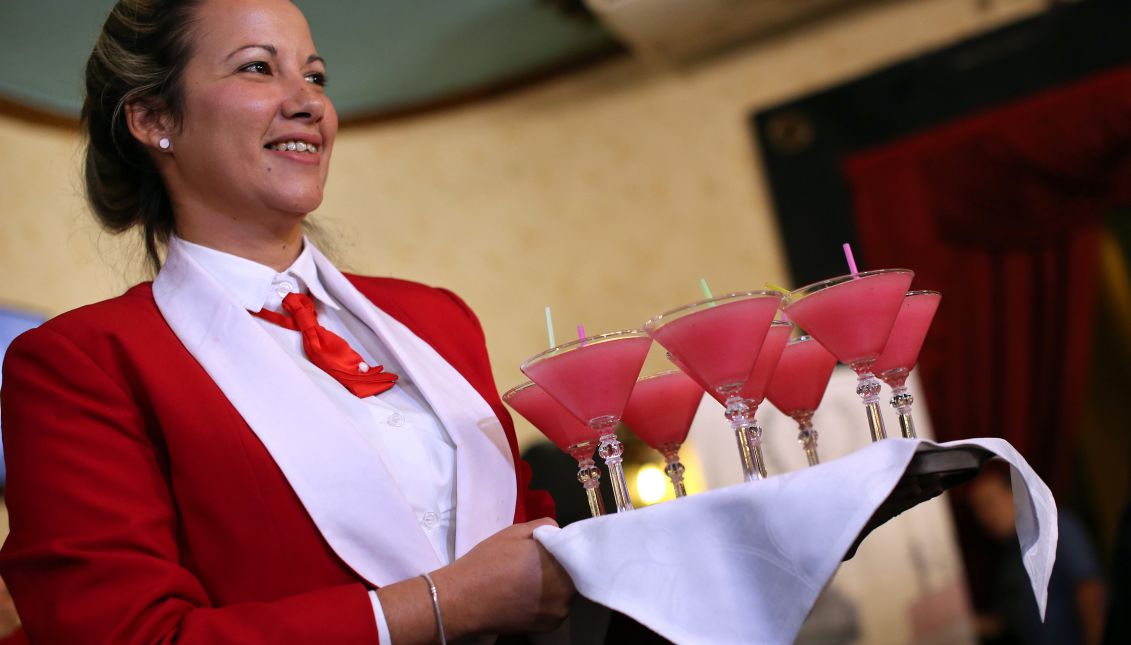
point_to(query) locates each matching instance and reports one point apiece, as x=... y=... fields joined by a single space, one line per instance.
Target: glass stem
x=868 y=388
x=589 y=476
x=611 y=450
x=674 y=471
x=738 y=412
x=901 y=400
x=807 y=435
x=754 y=438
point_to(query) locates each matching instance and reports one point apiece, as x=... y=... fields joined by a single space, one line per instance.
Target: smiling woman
x=255 y=447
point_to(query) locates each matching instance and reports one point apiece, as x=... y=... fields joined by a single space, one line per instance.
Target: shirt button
x=396 y=419
x=283 y=288
x=429 y=520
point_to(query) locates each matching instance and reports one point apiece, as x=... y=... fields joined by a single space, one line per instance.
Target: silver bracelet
x=435 y=606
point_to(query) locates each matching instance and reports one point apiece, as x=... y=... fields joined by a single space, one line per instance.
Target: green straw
x=550 y=328
x=706 y=290
x=776 y=287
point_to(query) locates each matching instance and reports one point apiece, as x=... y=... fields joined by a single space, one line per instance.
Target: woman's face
x=257 y=128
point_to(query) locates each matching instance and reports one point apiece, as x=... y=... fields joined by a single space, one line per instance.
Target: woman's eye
x=318 y=78
x=258 y=67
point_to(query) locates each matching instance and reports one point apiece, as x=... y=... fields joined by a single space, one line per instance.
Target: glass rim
x=674 y=370
x=800 y=339
x=516 y=389
x=820 y=285
x=658 y=320
x=781 y=323
x=924 y=292
x=588 y=340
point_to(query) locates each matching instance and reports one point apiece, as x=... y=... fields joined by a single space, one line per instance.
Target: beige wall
x=605 y=195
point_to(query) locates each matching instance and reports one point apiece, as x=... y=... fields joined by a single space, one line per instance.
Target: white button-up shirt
x=398 y=423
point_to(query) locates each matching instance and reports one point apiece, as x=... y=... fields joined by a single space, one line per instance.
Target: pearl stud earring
x=164 y=143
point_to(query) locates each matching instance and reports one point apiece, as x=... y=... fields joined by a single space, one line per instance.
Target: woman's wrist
x=411 y=614
x=436 y=608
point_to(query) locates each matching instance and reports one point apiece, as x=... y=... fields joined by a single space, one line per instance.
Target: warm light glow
x=651 y=484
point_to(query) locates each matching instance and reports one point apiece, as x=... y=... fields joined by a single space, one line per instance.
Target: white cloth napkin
x=745 y=564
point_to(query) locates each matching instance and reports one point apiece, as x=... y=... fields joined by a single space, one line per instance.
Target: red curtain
x=1001 y=212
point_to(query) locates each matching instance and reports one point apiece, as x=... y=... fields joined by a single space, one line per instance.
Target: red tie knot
x=301 y=308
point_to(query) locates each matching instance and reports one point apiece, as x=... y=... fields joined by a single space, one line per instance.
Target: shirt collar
x=253 y=283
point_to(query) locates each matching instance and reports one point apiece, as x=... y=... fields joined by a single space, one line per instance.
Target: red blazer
x=144 y=509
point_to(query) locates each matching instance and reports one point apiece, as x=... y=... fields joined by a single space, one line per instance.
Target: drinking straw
x=706 y=290
x=776 y=287
x=581 y=332
x=550 y=328
x=848 y=256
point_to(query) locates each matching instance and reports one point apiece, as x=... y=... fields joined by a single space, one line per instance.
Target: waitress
x=254 y=447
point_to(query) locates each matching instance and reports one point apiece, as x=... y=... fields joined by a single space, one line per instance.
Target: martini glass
x=575 y=438
x=592 y=378
x=852 y=316
x=755 y=388
x=798 y=386
x=660 y=412
x=716 y=342
x=902 y=350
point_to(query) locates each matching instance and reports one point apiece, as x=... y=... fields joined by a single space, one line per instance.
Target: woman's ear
x=150 y=124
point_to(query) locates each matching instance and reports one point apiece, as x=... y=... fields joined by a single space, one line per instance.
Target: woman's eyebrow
x=270 y=49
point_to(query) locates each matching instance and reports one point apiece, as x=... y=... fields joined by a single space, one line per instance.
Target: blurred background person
x=1076 y=595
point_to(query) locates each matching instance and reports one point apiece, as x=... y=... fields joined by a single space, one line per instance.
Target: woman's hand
x=507 y=583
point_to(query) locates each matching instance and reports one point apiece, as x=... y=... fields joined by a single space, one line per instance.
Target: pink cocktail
x=660 y=412
x=799 y=384
x=852 y=316
x=592 y=379
x=902 y=351
x=754 y=391
x=574 y=437
x=717 y=342
x=776 y=339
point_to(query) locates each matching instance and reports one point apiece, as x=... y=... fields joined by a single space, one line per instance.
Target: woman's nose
x=307 y=102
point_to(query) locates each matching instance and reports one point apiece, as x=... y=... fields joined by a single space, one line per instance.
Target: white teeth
x=294 y=146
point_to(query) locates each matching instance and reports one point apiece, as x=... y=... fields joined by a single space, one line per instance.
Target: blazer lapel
x=485 y=483
x=339 y=479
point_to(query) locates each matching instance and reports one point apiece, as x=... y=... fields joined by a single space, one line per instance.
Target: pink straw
x=581 y=332
x=848 y=256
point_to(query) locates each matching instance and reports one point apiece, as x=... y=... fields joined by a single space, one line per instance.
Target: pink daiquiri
x=852 y=316
x=776 y=339
x=799 y=384
x=902 y=351
x=592 y=378
x=660 y=412
x=717 y=342
x=572 y=436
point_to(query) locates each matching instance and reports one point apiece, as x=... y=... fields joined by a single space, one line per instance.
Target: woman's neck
x=276 y=247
